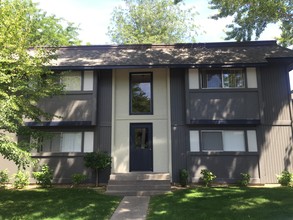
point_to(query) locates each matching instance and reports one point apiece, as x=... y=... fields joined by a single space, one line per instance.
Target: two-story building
x=160 y=108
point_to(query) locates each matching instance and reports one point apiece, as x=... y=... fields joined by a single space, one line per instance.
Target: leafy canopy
x=252 y=17
x=152 y=21
x=24 y=80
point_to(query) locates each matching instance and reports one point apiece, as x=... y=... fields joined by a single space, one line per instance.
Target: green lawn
x=56 y=203
x=224 y=203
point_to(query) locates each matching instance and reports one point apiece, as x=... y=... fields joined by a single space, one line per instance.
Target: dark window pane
x=141 y=97
x=212 y=141
x=141 y=137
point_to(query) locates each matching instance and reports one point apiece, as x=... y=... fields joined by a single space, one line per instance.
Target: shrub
x=21 y=179
x=286 y=178
x=44 y=177
x=245 y=178
x=78 y=178
x=97 y=161
x=207 y=177
x=183 y=177
x=4 y=179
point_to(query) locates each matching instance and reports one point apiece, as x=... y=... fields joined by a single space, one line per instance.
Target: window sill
x=222 y=153
x=58 y=154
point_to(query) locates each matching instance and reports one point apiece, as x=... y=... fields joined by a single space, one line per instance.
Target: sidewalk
x=132 y=207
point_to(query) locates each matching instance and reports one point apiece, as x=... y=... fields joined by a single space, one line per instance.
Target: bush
x=21 y=179
x=286 y=178
x=97 y=161
x=183 y=177
x=78 y=178
x=208 y=177
x=245 y=179
x=4 y=179
x=44 y=177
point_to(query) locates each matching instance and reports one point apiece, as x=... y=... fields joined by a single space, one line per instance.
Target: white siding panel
x=193 y=78
x=251 y=77
x=88 y=83
x=194 y=141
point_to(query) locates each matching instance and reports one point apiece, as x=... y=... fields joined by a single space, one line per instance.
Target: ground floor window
x=82 y=141
x=223 y=140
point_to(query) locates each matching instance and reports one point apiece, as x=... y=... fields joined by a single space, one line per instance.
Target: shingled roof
x=177 y=55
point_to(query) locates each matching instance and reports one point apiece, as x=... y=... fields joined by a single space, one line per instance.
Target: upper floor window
x=77 y=80
x=223 y=78
x=141 y=98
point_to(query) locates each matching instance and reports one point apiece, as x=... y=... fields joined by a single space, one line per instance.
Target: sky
x=93 y=18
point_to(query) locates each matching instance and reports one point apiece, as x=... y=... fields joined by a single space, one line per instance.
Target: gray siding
x=223 y=105
x=98 y=109
x=269 y=103
x=276 y=153
x=179 y=130
x=70 y=107
x=104 y=117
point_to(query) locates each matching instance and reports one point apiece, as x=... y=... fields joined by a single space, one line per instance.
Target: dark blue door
x=141 y=147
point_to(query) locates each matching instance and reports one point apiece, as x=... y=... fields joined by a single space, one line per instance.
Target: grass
x=223 y=203
x=56 y=203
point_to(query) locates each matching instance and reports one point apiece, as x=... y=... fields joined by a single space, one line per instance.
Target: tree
x=97 y=161
x=252 y=17
x=25 y=34
x=152 y=21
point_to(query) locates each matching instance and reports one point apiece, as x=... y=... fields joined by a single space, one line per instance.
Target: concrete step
x=138 y=184
x=140 y=176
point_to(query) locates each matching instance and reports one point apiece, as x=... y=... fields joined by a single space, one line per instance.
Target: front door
x=141 y=147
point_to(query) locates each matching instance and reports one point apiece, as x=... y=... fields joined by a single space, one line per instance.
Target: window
x=68 y=142
x=223 y=140
x=223 y=78
x=77 y=80
x=141 y=101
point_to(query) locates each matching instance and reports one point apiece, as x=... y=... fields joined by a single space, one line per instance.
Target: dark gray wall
x=275 y=131
x=179 y=130
x=71 y=107
x=222 y=104
x=269 y=103
x=98 y=109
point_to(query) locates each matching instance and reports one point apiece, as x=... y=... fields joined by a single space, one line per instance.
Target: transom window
x=223 y=78
x=141 y=98
x=68 y=142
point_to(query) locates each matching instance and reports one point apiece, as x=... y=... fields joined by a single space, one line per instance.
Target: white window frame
x=86 y=142
x=248 y=144
x=86 y=80
x=222 y=72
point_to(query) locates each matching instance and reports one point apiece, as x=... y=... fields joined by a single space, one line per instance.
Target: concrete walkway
x=132 y=207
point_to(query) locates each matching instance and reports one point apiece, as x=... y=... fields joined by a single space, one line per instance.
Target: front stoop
x=138 y=184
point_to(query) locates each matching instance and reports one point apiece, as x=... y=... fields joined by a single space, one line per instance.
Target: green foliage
x=207 y=177
x=4 y=178
x=286 y=178
x=152 y=21
x=78 y=178
x=25 y=30
x=245 y=178
x=97 y=161
x=21 y=179
x=183 y=177
x=44 y=177
x=252 y=17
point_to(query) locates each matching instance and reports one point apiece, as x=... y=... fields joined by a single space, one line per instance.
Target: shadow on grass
x=56 y=204
x=224 y=203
